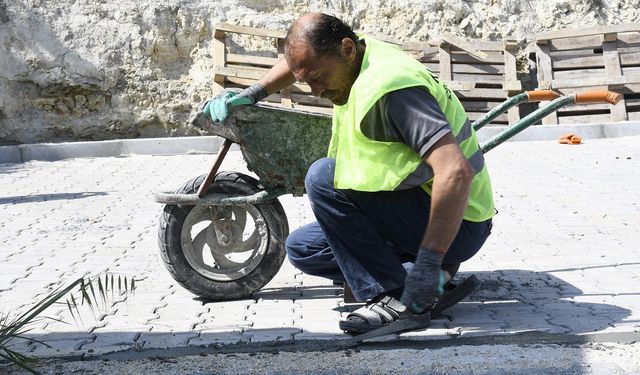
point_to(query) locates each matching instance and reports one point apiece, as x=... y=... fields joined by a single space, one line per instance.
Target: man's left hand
x=425 y=281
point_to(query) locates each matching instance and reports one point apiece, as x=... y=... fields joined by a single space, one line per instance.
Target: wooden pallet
x=481 y=73
x=243 y=70
x=481 y=78
x=605 y=57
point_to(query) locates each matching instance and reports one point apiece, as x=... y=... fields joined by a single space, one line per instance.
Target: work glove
x=218 y=108
x=425 y=282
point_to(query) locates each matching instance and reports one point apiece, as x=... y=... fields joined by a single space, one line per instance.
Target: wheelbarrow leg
x=202 y=191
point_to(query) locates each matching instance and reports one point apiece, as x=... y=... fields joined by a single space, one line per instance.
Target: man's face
x=329 y=77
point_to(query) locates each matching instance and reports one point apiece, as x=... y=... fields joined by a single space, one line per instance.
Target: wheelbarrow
x=222 y=234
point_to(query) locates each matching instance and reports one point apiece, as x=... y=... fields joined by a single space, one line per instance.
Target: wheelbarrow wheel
x=223 y=252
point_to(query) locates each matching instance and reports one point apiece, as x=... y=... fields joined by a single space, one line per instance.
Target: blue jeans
x=364 y=238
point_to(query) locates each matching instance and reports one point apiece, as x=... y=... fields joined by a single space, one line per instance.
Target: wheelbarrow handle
x=541 y=95
x=597 y=96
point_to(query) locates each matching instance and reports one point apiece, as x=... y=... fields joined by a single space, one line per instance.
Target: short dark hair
x=326 y=34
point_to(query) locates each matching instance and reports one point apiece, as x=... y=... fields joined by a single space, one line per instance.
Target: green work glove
x=219 y=107
x=425 y=281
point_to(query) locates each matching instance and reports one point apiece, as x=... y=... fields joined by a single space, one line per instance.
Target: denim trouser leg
x=364 y=237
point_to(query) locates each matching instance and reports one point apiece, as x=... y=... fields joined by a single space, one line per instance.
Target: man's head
x=324 y=52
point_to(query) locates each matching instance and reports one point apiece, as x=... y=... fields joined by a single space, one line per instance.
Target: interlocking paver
x=562 y=256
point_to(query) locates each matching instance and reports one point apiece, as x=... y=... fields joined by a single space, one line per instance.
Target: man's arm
x=278 y=77
x=452 y=176
x=274 y=80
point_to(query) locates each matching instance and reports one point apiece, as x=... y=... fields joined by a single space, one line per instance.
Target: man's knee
x=319 y=177
x=296 y=248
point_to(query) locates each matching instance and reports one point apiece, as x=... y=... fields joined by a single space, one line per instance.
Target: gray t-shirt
x=410 y=116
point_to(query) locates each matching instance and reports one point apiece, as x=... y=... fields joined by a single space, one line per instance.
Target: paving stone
x=109 y=342
x=553 y=258
x=59 y=348
x=264 y=335
x=165 y=339
x=207 y=338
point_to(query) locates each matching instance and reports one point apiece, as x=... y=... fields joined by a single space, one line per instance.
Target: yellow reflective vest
x=367 y=165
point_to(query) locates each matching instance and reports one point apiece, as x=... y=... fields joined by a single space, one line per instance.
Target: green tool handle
x=594 y=96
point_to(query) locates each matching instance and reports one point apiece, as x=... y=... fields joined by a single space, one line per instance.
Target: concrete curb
x=145 y=146
x=211 y=144
x=554 y=132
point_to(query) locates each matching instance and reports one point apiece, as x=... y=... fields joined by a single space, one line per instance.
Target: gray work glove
x=425 y=282
x=218 y=108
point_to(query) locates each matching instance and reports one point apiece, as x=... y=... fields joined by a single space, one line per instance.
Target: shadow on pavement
x=523 y=300
x=300 y=292
x=511 y=307
x=48 y=197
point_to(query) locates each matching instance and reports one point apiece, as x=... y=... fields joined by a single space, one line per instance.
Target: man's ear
x=348 y=49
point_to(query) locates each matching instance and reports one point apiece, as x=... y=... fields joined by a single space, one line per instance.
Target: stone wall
x=94 y=70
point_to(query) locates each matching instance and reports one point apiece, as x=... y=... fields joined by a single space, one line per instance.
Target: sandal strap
x=386 y=310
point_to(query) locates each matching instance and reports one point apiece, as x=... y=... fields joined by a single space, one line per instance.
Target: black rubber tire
x=173 y=217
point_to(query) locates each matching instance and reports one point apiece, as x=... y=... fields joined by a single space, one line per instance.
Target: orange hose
x=542 y=95
x=598 y=96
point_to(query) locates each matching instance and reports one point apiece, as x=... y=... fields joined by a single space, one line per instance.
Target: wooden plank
x=328 y=111
x=591 y=42
x=630 y=50
x=577 y=62
x=629 y=74
x=470 y=68
x=480 y=93
x=235 y=58
x=247 y=67
x=585 y=81
x=633 y=104
x=586 y=107
x=311 y=100
x=629 y=58
x=445 y=62
x=545 y=77
x=448 y=39
x=225 y=27
x=244 y=72
x=511 y=82
x=513 y=115
x=460 y=85
x=579 y=74
x=511 y=86
x=479 y=106
x=219 y=58
x=478 y=78
x=491 y=58
x=584 y=119
x=613 y=71
x=464 y=58
x=246 y=82
x=621 y=28
x=482 y=46
x=285 y=92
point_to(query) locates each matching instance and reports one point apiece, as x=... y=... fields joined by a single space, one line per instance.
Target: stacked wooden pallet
x=606 y=57
x=242 y=70
x=482 y=75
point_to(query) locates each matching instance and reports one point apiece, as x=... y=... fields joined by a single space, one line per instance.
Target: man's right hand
x=218 y=108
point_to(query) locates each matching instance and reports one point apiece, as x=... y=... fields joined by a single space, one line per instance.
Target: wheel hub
x=224 y=243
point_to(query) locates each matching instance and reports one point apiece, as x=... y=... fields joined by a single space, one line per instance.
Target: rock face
x=94 y=70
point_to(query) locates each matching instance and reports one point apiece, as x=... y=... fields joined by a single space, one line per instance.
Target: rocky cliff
x=93 y=69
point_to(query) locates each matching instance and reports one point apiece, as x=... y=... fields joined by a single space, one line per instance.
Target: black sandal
x=374 y=315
